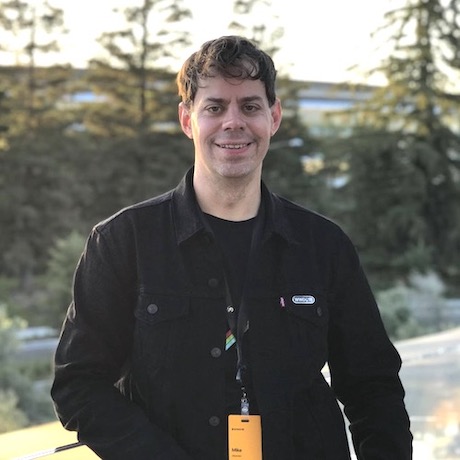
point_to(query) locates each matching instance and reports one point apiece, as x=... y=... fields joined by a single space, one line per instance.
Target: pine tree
x=405 y=175
x=244 y=22
x=132 y=78
x=32 y=32
x=31 y=159
x=134 y=118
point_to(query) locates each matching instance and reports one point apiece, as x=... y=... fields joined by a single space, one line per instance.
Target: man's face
x=231 y=124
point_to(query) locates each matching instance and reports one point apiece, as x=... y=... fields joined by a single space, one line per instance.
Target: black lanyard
x=237 y=318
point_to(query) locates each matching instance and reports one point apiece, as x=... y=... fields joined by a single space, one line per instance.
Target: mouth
x=234 y=146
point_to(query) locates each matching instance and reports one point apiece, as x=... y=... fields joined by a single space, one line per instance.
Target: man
x=220 y=303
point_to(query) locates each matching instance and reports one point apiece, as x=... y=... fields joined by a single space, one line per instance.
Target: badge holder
x=244 y=434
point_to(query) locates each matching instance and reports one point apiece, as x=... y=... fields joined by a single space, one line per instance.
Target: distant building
x=315 y=101
x=318 y=100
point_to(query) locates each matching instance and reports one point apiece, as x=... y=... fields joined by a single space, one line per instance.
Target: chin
x=236 y=171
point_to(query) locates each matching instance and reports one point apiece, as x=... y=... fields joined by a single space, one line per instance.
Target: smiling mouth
x=233 y=146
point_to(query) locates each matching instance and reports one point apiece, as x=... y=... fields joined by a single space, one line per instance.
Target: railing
x=44 y=453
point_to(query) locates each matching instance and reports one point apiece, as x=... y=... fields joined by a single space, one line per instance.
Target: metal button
x=213 y=282
x=152 y=308
x=216 y=352
x=230 y=309
x=214 y=420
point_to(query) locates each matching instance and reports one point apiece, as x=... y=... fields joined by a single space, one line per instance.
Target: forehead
x=229 y=88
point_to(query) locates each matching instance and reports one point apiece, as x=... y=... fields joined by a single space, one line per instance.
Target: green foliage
x=283 y=166
x=32 y=31
x=57 y=280
x=20 y=402
x=11 y=418
x=427 y=300
x=136 y=91
x=31 y=150
x=394 y=307
x=388 y=191
x=34 y=403
x=32 y=180
x=8 y=341
x=414 y=307
x=404 y=183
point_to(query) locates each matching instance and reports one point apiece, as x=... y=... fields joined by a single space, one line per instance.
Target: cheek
x=195 y=131
x=204 y=130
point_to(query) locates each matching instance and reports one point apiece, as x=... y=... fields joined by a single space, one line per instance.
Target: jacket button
x=319 y=311
x=213 y=282
x=152 y=308
x=214 y=420
x=216 y=352
x=230 y=309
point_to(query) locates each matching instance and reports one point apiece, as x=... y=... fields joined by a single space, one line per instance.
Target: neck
x=231 y=199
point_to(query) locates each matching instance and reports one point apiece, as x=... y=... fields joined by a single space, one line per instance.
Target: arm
x=365 y=365
x=94 y=348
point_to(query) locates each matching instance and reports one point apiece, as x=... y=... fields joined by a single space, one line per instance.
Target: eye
x=250 y=108
x=214 y=109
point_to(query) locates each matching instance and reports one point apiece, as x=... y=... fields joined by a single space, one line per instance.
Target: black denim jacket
x=139 y=370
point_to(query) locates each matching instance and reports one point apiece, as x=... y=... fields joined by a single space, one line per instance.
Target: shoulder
x=141 y=212
x=309 y=229
x=319 y=238
x=304 y=218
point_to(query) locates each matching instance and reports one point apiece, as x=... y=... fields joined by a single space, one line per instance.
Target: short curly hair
x=229 y=56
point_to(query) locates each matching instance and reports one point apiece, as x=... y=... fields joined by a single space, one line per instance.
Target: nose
x=233 y=118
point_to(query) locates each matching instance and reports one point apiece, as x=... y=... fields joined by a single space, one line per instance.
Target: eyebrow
x=221 y=100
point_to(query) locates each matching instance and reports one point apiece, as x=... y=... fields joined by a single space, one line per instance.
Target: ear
x=184 y=119
x=277 y=115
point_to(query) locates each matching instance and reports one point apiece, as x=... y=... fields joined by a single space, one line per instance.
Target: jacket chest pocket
x=306 y=321
x=160 y=324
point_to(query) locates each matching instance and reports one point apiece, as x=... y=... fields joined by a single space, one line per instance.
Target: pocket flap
x=154 y=309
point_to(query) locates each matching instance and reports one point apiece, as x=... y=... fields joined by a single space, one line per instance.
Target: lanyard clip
x=244 y=404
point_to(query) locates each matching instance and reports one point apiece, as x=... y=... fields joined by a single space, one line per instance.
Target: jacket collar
x=189 y=219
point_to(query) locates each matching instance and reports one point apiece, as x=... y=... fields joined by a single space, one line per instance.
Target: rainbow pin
x=229 y=339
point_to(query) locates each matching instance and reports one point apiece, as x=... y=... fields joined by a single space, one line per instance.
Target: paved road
x=37 y=350
x=431 y=376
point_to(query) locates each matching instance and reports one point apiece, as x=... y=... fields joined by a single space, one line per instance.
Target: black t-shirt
x=234 y=239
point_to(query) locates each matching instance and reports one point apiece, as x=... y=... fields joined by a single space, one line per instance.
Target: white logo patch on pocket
x=303 y=299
